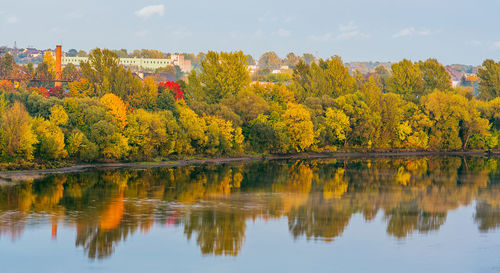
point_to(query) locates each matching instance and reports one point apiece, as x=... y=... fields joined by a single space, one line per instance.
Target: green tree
x=148 y=136
x=51 y=139
x=406 y=80
x=270 y=60
x=106 y=75
x=221 y=75
x=291 y=60
x=434 y=75
x=250 y=60
x=489 y=85
x=110 y=142
x=7 y=64
x=328 y=77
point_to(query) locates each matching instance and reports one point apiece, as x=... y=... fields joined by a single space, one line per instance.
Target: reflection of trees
x=219 y=232
x=319 y=220
x=488 y=210
x=213 y=203
x=404 y=221
x=487 y=216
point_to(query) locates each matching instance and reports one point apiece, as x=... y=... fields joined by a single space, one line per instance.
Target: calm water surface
x=420 y=214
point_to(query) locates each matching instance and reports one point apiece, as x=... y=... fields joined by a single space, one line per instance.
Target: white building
x=143 y=63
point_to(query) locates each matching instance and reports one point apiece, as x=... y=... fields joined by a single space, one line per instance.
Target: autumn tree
x=221 y=75
x=250 y=60
x=111 y=144
x=148 y=136
x=7 y=64
x=50 y=61
x=16 y=133
x=146 y=96
x=222 y=138
x=434 y=75
x=117 y=108
x=456 y=120
x=193 y=128
x=336 y=126
x=328 y=77
x=269 y=60
x=106 y=75
x=51 y=138
x=489 y=86
x=291 y=60
x=80 y=89
x=300 y=128
x=406 y=80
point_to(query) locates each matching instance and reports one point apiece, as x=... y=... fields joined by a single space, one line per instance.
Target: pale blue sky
x=453 y=31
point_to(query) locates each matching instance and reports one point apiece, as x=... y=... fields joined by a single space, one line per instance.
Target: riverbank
x=22 y=175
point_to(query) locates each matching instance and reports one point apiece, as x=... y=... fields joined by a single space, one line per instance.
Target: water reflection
x=214 y=203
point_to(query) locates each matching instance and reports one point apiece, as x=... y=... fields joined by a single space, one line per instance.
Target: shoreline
x=20 y=175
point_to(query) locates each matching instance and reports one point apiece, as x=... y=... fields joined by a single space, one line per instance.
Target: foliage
x=17 y=137
x=489 y=86
x=110 y=115
x=299 y=126
x=116 y=107
x=406 y=80
x=221 y=76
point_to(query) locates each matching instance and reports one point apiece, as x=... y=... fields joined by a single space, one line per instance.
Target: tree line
x=111 y=114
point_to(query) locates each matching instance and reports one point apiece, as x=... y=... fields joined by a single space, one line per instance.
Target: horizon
x=453 y=32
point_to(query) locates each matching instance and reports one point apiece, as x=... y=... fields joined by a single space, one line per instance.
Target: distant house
x=253 y=68
x=457 y=76
x=159 y=77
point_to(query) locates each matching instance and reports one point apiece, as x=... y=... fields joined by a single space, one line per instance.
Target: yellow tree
x=50 y=61
x=16 y=133
x=145 y=97
x=299 y=126
x=116 y=107
x=193 y=127
x=58 y=115
x=51 y=139
x=336 y=125
x=80 y=89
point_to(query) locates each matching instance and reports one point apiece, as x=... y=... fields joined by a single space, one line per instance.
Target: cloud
x=410 y=31
x=322 y=38
x=11 y=19
x=346 y=32
x=284 y=33
x=151 y=10
x=496 y=44
x=350 y=32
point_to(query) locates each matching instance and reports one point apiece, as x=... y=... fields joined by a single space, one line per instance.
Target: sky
x=452 y=31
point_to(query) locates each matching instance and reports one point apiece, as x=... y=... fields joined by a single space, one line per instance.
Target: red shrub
x=174 y=87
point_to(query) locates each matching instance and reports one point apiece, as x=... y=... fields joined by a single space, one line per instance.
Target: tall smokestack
x=58 y=65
